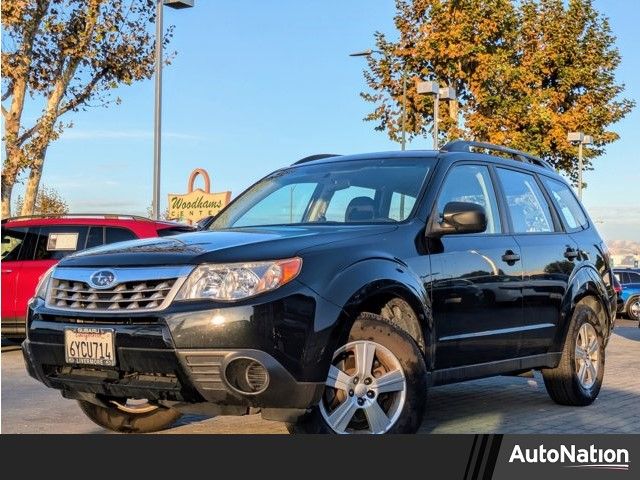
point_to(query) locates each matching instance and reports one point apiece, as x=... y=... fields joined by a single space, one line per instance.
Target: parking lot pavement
x=493 y=405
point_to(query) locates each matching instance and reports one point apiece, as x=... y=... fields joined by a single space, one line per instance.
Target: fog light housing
x=247 y=376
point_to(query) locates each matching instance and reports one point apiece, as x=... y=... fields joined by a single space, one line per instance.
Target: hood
x=220 y=246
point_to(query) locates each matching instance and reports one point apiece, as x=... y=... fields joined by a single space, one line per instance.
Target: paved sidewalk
x=493 y=405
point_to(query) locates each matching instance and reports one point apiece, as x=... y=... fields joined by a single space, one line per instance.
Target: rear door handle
x=510 y=257
x=6 y=270
x=571 y=254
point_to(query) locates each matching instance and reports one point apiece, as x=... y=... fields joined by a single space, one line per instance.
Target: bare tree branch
x=82 y=96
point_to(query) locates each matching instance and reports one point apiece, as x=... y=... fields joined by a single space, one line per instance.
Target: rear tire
x=116 y=420
x=577 y=379
x=383 y=406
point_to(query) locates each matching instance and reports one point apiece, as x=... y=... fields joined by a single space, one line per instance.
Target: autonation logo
x=573 y=457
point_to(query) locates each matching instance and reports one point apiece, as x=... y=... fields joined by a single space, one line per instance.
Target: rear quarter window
x=167 y=232
x=118 y=234
x=567 y=204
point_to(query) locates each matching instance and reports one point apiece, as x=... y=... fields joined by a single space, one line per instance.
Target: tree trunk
x=33 y=184
x=14 y=160
x=9 y=176
x=7 y=188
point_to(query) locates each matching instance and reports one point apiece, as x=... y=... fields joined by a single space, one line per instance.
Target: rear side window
x=634 y=277
x=568 y=206
x=529 y=210
x=56 y=242
x=116 y=234
x=12 y=241
x=95 y=238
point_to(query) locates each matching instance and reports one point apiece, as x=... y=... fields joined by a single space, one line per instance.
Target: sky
x=257 y=85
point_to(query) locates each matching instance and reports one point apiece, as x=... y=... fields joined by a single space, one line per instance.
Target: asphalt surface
x=493 y=405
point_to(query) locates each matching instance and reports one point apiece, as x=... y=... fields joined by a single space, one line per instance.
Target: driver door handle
x=510 y=257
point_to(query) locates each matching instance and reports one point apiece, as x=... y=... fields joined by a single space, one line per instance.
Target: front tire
x=633 y=309
x=116 y=419
x=376 y=384
x=577 y=379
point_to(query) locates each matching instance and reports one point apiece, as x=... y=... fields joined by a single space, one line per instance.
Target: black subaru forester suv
x=332 y=294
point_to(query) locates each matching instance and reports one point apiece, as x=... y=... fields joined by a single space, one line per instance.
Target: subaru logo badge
x=102 y=279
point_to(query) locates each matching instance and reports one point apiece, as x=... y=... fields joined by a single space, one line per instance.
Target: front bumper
x=190 y=376
x=181 y=354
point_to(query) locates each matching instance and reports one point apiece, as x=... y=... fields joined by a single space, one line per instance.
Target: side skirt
x=490 y=369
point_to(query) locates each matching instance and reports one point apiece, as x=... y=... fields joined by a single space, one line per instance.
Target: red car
x=31 y=245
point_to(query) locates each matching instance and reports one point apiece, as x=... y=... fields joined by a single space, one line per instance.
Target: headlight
x=43 y=284
x=235 y=281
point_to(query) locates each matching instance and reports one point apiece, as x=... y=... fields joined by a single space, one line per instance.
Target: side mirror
x=460 y=217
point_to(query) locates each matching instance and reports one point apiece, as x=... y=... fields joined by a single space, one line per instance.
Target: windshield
x=347 y=192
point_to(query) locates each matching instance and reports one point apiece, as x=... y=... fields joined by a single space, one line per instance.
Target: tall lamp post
x=369 y=53
x=439 y=93
x=580 y=139
x=157 y=126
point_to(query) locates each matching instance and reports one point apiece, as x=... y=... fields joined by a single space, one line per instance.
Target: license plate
x=89 y=346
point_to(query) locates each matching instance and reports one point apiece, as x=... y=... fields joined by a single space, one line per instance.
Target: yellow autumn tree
x=526 y=72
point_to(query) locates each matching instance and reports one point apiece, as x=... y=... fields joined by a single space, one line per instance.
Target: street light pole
x=580 y=139
x=430 y=87
x=157 y=117
x=405 y=76
x=436 y=115
x=580 y=171
x=157 y=120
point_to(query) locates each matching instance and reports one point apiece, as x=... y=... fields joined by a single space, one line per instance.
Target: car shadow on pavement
x=518 y=405
x=629 y=332
x=522 y=405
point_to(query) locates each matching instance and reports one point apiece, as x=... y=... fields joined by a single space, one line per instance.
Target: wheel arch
x=367 y=287
x=586 y=287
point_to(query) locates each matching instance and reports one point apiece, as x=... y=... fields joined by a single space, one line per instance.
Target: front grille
x=110 y=320
x=136 y=295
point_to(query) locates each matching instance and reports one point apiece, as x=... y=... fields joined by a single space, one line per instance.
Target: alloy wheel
x=587 y=355
x=634 y=309
x=366 y=389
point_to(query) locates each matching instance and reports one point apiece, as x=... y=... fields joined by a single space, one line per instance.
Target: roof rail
x=468 y=146
x=318 y=156
x=77 y=215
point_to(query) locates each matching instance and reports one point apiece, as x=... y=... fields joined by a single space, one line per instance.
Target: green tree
x=65 y=55
x=527 y=72
x=48 y=202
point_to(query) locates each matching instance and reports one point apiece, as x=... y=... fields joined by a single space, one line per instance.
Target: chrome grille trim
x=147 y=289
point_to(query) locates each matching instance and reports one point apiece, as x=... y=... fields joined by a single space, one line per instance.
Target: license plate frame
x=90 y=346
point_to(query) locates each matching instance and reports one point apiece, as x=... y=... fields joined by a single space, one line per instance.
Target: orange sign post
x=197 y=203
